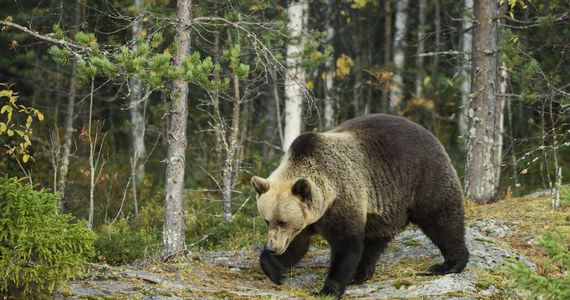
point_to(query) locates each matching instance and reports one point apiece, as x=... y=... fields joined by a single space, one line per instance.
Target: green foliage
x=123 y=243
x=556 y=248
x=130 y=239
x=565 y=193
x=39 y=248
x=15 y=134
x=232 y=55
x=59 y=55
x=210 y=233
x=85 y=39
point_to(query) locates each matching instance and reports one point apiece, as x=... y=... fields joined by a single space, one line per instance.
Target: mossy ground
x=529 y=216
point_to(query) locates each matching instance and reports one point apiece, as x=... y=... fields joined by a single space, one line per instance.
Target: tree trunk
x=92 y=146
x=387 y=51
x=484 y=143
x=401 y=26
x=435 y=59
x=173 y=232
x=272 y=117
x=467 y=41
x=295 y=79
x=230 y=161
x=68 y=135
x=420 y=49
x=329 y=110
x=137 y=109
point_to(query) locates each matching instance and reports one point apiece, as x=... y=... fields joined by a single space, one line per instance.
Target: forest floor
x=495 y=233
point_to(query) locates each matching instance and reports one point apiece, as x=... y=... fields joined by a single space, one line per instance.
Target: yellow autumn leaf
x=324 y=75
x=25 y=158
x=427 y=79
x=310 y=85
x=347 y=20
x=40 y=116
x=344 y=64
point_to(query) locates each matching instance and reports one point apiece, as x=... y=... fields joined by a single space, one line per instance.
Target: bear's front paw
x=440 y=269
x=330 y=289
x=271 y=267
x=324 y=293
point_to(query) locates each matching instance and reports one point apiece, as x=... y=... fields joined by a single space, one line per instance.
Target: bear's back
x=392 y=137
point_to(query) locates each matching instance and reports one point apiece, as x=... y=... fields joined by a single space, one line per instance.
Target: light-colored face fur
x=287 y=207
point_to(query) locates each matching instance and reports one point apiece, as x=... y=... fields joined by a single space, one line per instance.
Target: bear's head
x=287 y=207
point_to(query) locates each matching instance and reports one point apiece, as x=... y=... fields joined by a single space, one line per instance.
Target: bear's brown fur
x=358 y=185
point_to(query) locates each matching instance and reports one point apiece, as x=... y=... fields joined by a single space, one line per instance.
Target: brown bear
x=358 y=185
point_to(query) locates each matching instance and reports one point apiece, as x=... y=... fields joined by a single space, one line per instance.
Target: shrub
x=556 y=248
x=39 y=248
x=124 y=244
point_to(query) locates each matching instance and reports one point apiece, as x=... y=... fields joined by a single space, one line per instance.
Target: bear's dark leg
x=345 y=255
x=373 y=247
x=275 y=265
x=449 y=237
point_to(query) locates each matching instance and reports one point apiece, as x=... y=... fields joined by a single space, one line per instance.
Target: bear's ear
x=302 y=188
x=261 y=185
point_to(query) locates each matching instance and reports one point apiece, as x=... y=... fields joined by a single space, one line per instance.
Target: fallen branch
x=164 y=280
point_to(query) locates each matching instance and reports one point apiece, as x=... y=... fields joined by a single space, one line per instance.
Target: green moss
x=400 y=283
x=410 y=242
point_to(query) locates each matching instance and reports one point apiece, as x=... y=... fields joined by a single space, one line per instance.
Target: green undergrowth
x=39 y=248
x=542 y=234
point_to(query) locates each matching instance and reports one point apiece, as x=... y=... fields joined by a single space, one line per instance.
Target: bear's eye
x=280 y=223
x=266 y=222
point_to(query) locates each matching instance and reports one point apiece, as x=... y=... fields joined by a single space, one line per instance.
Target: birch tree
x=295 y=78
x=401 y=26
x=420 y=49
x=173 y=232
x=137 y=107
x=467 y=41
x=387 y=51
x=329 y=113
x=484 y=142
x=69 y=115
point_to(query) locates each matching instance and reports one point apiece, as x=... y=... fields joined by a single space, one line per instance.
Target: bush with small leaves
x=555 y=246
x=39 y=249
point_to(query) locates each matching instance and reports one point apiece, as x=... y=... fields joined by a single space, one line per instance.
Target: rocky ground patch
x=236 y=274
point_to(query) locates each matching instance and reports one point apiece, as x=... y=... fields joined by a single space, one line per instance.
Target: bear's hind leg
x=373 y=247
x=450 y=239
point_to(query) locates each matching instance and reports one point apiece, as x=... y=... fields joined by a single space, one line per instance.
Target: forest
x=149 y=117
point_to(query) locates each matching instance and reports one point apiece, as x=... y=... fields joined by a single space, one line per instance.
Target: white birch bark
x=401 y=27
x=137 y=111
x=136 y=103
x=467 y=41
x=295 y=79
x=329 y=113
x=420 y=49
x=69 y=115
